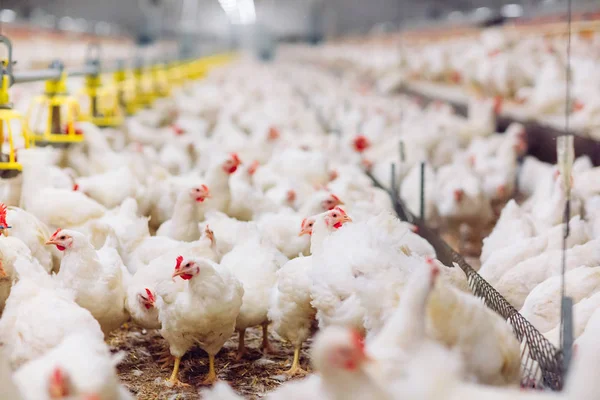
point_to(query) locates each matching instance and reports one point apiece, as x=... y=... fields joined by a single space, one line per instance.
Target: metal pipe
x=83 y=71
x=37 y=75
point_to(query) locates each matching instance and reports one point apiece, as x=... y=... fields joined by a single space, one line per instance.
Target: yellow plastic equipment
x=175 y=74
x=11 y=121
x=51 y=116
x=160 y=80
x=99 y=104
x=126 y=89
x=144 y=91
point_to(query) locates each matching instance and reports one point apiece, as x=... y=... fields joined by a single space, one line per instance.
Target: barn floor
x=142 y=373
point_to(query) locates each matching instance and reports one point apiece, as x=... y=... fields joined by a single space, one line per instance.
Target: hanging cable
x=563 y=157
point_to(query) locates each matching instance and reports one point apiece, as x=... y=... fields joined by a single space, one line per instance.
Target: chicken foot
x=296 y=369
x=241 y=345
x=174 y=380
x=212 y=374
x=266 y=345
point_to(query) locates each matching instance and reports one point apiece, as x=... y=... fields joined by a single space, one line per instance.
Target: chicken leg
x=241 y=345
x=174 y=380
x=266 y=345
x=212 y=374
x=296 y=369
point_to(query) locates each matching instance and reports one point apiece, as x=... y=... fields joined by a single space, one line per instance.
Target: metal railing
x=541 y=362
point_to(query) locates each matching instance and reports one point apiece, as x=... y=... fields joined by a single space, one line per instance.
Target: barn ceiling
x=284 y=17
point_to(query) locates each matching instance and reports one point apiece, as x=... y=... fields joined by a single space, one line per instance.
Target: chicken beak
x=346 y=218
x=51 y=241
x=305 y=231
x=178 y=273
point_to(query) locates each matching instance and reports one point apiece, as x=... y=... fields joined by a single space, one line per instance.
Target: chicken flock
x=527 y=70
x=241 y=203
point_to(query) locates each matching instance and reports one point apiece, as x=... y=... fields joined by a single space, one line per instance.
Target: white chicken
x=54 y=207
x=519 y=281
x=110 y=188
x=183 y=225
x=99 y=285
x=81 y=366
x=541 y=307
x=490 y=350
x=39 y=315
x=290 y=310
x=254 y=263
x=339 y=356
x=31 y=231
x=202 y=310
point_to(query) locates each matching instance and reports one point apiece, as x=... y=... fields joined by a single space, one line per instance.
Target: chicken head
x=336 y=218
x=3 y=223
x=340 y=349
x=186 y=269
x=209 y=234
x=200 y=193
x=434 y=270
x=58 y=387
x=61 y=239
x=232 y=163
x=273 y=134
x=253 y=167
x=307 y=225
x=146 y=300
x=330 y=202
x=290 y=196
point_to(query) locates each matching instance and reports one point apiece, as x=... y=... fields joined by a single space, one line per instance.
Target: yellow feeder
x=51 y=116
x=126 y=90
x=99 y=104
x=160 y=80
x=11 y=121
x=175 y=74
x=144 y=92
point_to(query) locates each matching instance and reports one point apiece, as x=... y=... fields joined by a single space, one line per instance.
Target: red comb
x=252 y=168
x=335 y=197
x=3 y=215
x=177 y=129
x=150 y=295
x=204 y=187
x=75 y=187
x=235 y=157
x=340 y=210
x=179 y=261
x=56 y=232
x=357 y=339
x=498 y=100
x=58 y=377
x=291 y=195
x=303 y=223
x=273 y=133
x=361 y=143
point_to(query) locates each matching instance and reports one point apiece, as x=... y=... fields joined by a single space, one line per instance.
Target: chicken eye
x=334 y=215
x=187 y=265
x=63 y=237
